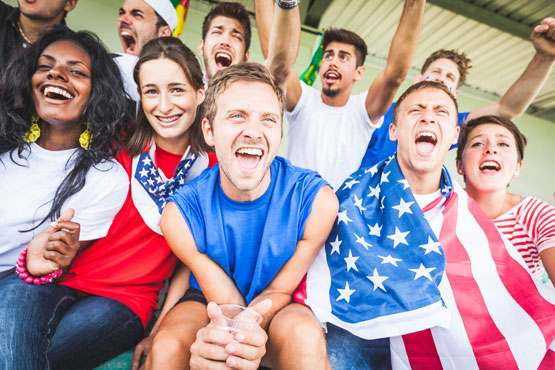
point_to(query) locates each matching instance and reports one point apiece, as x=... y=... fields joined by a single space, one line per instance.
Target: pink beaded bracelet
x=21 y=270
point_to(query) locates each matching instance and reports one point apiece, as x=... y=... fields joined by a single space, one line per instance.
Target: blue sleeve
x=463 y=116
x=313 y=182
x=188 y=203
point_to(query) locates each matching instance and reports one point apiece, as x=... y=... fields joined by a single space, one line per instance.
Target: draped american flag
x=493 y=314
x=158 y=190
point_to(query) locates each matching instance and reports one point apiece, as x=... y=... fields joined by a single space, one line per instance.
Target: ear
x=460 y=169
x=456 y=139
x=359 y=73
x=455 y=93
x=247 y=53
x=164 y=31
x=518 y=168
x=419 y=77
x=200 y=96
x=393 y=132
x=70 y=5
x=207 y=132
x=201 y=48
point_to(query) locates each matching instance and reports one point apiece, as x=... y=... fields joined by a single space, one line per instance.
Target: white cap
x=165 y=9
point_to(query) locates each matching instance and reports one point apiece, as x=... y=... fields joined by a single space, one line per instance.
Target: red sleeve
x=212 y=159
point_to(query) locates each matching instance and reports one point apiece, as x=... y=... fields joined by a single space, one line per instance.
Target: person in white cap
x=139 y=22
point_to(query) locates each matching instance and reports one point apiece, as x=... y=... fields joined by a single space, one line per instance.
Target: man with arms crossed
x=248 y=229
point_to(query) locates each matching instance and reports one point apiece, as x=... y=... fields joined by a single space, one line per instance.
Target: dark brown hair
x=469 y=126
x=347 y=37
x=421 y=86
x=460 y=59
x=250 y=72
x=230 y=10
x=173 y=49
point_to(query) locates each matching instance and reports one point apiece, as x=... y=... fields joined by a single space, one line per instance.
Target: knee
x=169 y=344
x=294 y=329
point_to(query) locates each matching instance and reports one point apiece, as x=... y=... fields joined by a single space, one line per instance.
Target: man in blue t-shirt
x=450 y=68
x=248 y=229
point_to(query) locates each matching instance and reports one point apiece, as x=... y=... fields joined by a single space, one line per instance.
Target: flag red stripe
x=520 y=284
x=488 y=344
x=421 y=350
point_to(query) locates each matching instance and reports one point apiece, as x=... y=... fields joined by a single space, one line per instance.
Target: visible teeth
x=250 y=151
x=489 y=165
x=427 y=134
x=125 y=33
x=55 y=90
x=333 y=75
x=223 y=55
x=168 y=119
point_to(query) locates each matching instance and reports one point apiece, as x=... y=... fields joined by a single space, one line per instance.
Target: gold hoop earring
x=34 y=131
x=85 y=138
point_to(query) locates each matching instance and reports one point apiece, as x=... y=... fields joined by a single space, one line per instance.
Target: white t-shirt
x=126 y=64
x=329 y=140
x=28 y=187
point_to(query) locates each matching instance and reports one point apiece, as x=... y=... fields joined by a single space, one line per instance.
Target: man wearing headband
x=139 y=22
x=21 y=26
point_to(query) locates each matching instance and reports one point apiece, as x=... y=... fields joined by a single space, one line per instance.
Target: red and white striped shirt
x=530 y=226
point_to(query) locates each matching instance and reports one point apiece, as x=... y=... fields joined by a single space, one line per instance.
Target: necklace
x=23 y=34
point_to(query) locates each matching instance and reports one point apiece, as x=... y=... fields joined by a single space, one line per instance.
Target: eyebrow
x=70 y=62
x=339 y=51
x=242 y=111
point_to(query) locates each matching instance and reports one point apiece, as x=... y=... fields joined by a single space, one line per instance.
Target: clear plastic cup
x=235 y=318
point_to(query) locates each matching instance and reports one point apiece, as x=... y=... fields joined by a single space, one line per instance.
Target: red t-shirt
x=132 y=261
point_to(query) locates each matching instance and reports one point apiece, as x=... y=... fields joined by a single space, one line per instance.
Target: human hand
x=55 y=247
x=217 y=348
x=543 y=37
x=141 y=350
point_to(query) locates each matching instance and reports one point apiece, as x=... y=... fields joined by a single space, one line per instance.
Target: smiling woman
x=62 y=110
x=489 y=155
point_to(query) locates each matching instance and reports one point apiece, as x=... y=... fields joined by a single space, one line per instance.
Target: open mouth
x=490 y=166
x=332 y=76
x=425 y=142
x=57 y=93
x=129 y=41
x=167 y=121
x=248 y=158
x=223 y=60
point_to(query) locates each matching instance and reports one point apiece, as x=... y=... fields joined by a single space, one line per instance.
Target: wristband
x=287 y=4
x=21 y=270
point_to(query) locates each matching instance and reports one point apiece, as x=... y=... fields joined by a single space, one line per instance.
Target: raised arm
x=526 y=87
x=401 y=52
x=279 y=31
x=214 y=282
x=316 y=231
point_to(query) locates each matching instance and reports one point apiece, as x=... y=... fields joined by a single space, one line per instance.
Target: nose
x=252 y=129
x=491 y=149
x=439 y=79
x=57 y=73
x=428 y=117
x=165 y=103
x=123 y=18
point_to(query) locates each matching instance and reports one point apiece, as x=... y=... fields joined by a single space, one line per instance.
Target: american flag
x=158 y=190
x=495 y=315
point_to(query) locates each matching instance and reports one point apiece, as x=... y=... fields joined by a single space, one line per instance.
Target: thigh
x=92 y=331
x=29 y=315
x=347 y=351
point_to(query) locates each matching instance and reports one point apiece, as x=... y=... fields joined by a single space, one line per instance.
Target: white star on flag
x=374 y=192
x=349 y=184
x=377 y=280
x=342 y=217
x=143 y=172
x=181 y=181
x=152 y=170
x=398 y=237
x=360 y=240
x=351 y=261
x=335 y=245
x=375 y=230
x=146 y=161
x=345 y=293
x=423 y=271
x=373 y=170
x=403 y=207
x=390 y=259
x=404 y=182
x=384 y=177
x=431 y=246
x=150 y=182
x=358 y=204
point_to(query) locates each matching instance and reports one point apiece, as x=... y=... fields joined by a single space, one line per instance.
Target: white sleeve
x=361 y=106
x=304 y=101
x=100 y=200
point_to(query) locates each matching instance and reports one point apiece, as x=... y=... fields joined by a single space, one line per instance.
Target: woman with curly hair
x=124 y=271
x=62 y=108
x=489 y=155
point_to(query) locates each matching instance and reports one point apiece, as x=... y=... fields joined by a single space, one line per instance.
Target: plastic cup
x=235 y=318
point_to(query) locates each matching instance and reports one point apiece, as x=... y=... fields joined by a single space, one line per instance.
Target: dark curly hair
x=106 y=113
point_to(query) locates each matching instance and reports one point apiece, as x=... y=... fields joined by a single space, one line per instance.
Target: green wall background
x=537 y=177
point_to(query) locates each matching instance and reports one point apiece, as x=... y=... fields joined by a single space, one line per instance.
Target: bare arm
x=279 y=32
x=214 y=282
x=401 y=52
x=316 y=231
x=527 y=86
